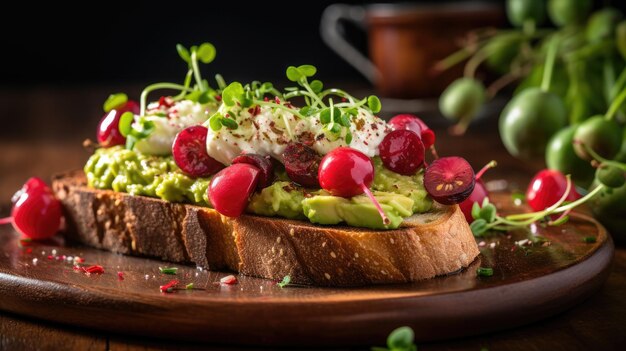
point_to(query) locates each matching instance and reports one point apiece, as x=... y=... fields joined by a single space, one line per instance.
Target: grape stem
x=549 y=65
x=487 y=167
x=6 y=220
x=617 y=103
x=599 y=158
x=369 y=194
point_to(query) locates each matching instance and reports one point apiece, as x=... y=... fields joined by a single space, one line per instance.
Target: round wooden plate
x=537 y=273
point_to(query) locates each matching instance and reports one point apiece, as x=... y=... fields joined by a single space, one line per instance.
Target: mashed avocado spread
x=128 y=171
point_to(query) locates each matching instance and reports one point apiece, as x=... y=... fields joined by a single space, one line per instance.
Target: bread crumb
x=327 y=276
x=333 y=255
x=324 y=244
x=280 y=253
x=273 y=249
x=292 y=232
x=392 y=241
x=383 y=272
x=356 y=255
x=278 y=240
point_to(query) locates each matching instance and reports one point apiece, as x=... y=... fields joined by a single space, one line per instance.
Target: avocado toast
x=237 y=177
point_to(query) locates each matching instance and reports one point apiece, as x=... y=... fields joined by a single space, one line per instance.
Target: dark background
x=60 y=61
x=133 y=42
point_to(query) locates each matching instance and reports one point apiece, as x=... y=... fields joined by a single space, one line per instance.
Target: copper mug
x=406 y=40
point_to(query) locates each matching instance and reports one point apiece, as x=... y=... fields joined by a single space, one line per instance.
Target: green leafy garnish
x=168 y=270
x=484 y=272
x=590 y=239
x=215 y=122
x=374 y=103
x=125 y=124
x=140 y=130
x=286 y=280
x=229 y=123
x=189 y=286
x=400 y=339
x=486 y=218
x=206 y=52
x=114 y=101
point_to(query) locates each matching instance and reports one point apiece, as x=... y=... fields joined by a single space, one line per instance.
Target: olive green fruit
x=609 y=207
x=611 y=176
x=602 y=23
x=599 y=134
x=502 y=50
x=462 y=99
x=520 y=11
x=529 y=120
x=560 y=156
x=620 y=38
x=568 y=12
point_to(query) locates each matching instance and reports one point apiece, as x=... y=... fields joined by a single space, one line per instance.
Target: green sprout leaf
x=114 y=101
x=475 y=210
x=334 y=127
x=309 y=111
x=232 y=93
x=488 y=213
x=189 y=286
x=294 y=74
x=373 y=102
x=307 y=70
x=348 y=138
x=125 y=124
x=484 y=272
x=183 y=53
x=215 y=122
x=316 y=86
x=168 y=270
x=401 y=339
x=478 y=227
x=285 y=282
x=229 y=123
x=344 y=120
x=206 y=52
x=204 y=97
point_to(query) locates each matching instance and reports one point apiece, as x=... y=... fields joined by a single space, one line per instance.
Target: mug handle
x=330 y=30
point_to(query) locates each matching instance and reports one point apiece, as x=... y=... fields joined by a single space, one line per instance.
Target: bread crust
x=426 y=245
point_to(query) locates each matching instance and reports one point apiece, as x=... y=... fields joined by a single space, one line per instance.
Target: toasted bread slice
x=426 y=245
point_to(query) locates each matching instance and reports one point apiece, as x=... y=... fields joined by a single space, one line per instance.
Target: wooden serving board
x=532 y=280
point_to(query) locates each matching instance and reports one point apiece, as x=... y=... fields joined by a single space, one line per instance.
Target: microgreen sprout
x=400 y=339
x=336 y=117
x=168 y=270
x=484 y=271
x=201 y=91
x=486 y=218
x=286 y=280
x=114 y=101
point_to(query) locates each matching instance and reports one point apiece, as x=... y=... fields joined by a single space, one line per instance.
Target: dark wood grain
x=530 y=283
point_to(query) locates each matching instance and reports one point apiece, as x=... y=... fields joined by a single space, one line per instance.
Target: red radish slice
x=449 y=180
x=231 y=188
x=190 y=155
x=263 y=163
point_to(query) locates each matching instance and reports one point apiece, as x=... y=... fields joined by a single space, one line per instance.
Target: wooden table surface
x=47 y=137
